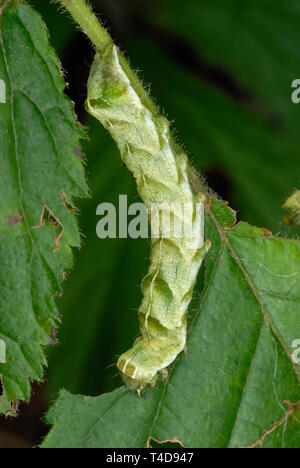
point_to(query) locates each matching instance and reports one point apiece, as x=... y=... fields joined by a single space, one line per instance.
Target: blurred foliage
x=222 y=71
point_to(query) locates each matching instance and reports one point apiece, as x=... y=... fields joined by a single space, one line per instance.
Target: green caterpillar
x=161 y=172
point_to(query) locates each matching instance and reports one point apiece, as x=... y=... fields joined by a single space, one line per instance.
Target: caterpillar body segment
x=161 y=173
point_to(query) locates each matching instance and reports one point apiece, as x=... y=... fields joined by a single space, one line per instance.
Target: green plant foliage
x=40 y=174
x=238 y=386
x=238 y=383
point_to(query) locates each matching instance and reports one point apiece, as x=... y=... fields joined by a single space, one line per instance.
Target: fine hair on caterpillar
x=162 y=174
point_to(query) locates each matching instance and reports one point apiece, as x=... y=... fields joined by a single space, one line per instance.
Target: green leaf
x=284 y=433
x=235 y=383
x=39 y=174
x=246 y=143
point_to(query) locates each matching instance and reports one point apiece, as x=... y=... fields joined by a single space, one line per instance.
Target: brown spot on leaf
x=52 y=338
x=266 y=232
x=293 y=406
x=14 y=406
x=12 y=219
x=78 y=153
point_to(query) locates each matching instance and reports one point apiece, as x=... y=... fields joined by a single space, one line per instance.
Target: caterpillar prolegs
x=161 y=171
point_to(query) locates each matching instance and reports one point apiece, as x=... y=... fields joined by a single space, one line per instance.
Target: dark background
x=222 y=72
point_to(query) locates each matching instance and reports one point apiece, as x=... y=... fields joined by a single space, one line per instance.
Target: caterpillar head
x=147 y=358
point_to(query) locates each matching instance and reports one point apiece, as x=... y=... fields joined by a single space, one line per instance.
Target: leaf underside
x=39 y=176
x=238 y=383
